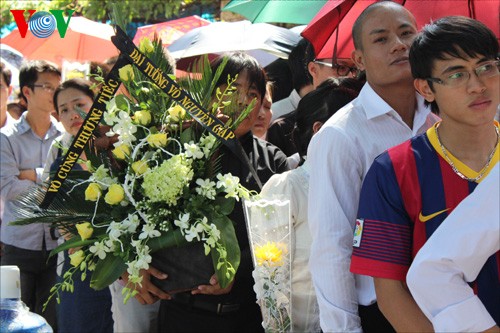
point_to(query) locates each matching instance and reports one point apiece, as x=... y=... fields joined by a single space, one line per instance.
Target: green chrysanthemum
x=166 y=182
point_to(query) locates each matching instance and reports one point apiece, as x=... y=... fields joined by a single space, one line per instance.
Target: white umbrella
x=266 y=42
x=12 y=59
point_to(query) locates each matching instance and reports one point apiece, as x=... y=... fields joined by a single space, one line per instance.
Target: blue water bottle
x=15 y=316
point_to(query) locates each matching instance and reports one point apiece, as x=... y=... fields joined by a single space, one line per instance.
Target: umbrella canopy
x=277 y=11
x=12 y=59
x=85 y=40
x=264 y=41
x=171 y=30
x=326 y=33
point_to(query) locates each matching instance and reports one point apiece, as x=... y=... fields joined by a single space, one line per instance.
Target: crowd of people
x=389 y=160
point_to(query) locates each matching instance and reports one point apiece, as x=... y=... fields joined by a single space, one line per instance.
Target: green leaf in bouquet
x=72 y=243
x=94 y=154
x=80 y=112
x=107 y=271
x=227 y=261
x=224 y=205
x=201 y=87
x=68 y=208
x=121 y=102
x=168 y=239
x=187 y=135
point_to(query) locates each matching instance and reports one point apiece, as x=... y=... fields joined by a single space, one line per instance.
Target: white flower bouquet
x=157 y=186
x=268 y=223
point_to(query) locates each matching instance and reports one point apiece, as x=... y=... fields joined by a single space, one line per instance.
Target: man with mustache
x=387 y=112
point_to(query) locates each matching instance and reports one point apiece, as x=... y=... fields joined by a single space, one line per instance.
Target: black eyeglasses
x=457 y=79
x=47 y=87
x=342 y=70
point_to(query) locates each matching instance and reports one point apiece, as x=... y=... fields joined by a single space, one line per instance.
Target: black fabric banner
x=90 y=124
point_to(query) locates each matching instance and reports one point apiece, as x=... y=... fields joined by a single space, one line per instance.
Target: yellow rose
x=176 y=113
x=146 y=45
x=85 y=230
x=157 y=140
x=140 y=167
x=142 y=117
x=93 y=192
x=76 y=258
x=126 y=73
x=115 y=194
x=121 y=152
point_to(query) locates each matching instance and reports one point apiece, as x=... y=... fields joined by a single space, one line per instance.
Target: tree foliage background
x=147 y=11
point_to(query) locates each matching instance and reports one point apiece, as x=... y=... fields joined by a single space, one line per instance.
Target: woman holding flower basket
x=233 y=309
x=167 y=187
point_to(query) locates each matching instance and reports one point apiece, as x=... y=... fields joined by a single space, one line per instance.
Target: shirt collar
x=23 y=126
x=294 y=98
x=375 y=106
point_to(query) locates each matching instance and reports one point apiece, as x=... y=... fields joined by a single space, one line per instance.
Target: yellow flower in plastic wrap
x=157 y=140
x=85 y=230
x=126 y=73
x=93 y=192
x=115 y=194
x=142 y=117
x=140 y=167
x=176 y=113
x=146 y=45
x=121 y=152
x=76 y=258
x=269 y=254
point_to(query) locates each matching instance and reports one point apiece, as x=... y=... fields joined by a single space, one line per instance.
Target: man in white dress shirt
x=455 y=253
x=387 y=112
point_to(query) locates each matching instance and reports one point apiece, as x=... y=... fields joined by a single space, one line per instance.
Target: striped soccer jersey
x=408 y=192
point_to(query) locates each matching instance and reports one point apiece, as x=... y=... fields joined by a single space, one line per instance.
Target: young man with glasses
x=410 y=189
x=23 y=150
x=322 y=69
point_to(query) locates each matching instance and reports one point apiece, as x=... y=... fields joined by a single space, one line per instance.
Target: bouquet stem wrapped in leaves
x=159 y=185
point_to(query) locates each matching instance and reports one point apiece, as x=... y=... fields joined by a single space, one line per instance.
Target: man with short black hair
x=24 y=146
x=5 y=91
x=411 y=188
x=387 y=112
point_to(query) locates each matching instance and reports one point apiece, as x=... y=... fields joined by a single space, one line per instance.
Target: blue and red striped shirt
x=407 y=193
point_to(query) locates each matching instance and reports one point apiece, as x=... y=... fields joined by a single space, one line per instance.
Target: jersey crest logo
x=358 y=231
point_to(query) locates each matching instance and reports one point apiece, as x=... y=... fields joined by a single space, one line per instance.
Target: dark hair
x=237 y=62
x=79 y=84
x=280 y=74
x=309 y=56
x=358 y=24
x=298 y=65
x=455 y=36
x=28 y=73
x=6 y=74
x=319 y=105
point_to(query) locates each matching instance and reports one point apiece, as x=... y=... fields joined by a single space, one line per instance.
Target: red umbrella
x=171 y=30
x=326 y=33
